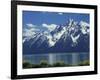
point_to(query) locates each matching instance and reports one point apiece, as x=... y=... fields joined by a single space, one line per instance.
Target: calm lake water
x=68 y=58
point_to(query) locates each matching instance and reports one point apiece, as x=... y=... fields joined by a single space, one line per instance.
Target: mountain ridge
x=64 y=38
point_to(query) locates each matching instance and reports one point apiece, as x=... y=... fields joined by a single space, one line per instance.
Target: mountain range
x=72 y=36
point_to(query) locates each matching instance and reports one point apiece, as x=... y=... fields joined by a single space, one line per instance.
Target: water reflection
x=51 y=58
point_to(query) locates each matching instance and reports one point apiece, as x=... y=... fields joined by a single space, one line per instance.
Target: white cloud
x=44 y=25
x=50 y=27
x=30 y=30
x=82 y=23
x=30 y=25
x=60 y=13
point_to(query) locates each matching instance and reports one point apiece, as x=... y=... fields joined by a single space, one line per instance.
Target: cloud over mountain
x=50 y=27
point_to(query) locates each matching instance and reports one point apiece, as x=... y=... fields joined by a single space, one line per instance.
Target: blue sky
x=38 y=18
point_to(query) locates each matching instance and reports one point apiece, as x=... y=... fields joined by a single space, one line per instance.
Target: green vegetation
x=44 y=63
x=36 y=66
x=27 y=65
x=59 y=64
x=86 y=62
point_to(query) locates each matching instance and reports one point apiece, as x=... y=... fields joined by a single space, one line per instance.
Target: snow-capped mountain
x=69 y=37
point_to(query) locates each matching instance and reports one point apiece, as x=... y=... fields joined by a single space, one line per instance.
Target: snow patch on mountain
x=58 y=35
x=74 y=39
x=50 y=40
x=84 y=27
x=83 y=23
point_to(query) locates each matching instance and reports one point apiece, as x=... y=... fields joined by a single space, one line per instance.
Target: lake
x=51 y=58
